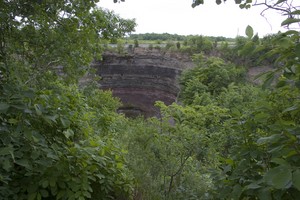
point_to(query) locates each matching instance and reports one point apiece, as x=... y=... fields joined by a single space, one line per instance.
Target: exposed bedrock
x=141 y=78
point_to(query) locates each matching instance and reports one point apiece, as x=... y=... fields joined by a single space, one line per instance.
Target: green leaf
x=39 y=196
x=229 y=161
x=296 y=12
x=255 y=38
x=248 y=6
x=13 y=121
x=3 y=107
x=24 y=163
x=6 y=150
x=62 y=185
x=276 y=149
x=51 y=155
x=6 y=165
x=249 y=31
x=50 y=118
x=264 y=194
x=262 y=116
x=268 y=80
x=280 y=1
x=279 y=177
x=44 y=193
x=29 y=93
x=68 y=133
x=119 y=165
x=291 y=32
x=280 y=161
x=241 y=5
x=32 y=196
x=285 y=43
x=87 y=194
x=52 y=182
x=45 y=183
x=291 y=153
x=253 y=186
x=38 y=109
x=247 y=49
x=269 y=139
x=19 y=106
x=263 y=75
x=296 y=179
x=32 y=188
x=100 y=176
x=289 y=21
x=65 y=122
x=294 y=107
x=81 y=198
x=237 y=191
x=61 y=194
x=297 y=49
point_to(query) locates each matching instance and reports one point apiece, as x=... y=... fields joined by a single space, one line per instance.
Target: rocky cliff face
x=141 y=78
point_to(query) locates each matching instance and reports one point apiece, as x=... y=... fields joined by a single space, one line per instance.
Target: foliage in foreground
x=166 y=154
x=230 y=140
x=56 y=139
x=51 y=146
x=265 y=163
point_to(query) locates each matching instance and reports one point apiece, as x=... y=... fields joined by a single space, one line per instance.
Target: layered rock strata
x=141 y=78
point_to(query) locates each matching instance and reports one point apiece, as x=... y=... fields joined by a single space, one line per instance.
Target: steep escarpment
x=141 y=78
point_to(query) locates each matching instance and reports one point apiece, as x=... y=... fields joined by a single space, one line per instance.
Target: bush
x=51 y=148
x=210 y=76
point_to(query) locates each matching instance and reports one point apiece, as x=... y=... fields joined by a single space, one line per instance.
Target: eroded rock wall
x=141 y=78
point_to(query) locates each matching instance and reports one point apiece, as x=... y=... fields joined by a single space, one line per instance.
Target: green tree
x=200 y=44
x=170 y=156
x=136 y=43
x=208 y=78
x=178 y=45
x=51 y=146
x=265 y=162
x=63 y=34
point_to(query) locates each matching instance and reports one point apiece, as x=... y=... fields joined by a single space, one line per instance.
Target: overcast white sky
x=177 y=16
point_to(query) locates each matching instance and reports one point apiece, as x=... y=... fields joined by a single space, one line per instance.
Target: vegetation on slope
x=227 y=139
x=56 y=139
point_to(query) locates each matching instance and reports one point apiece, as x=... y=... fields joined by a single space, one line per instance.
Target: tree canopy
x=51 y=146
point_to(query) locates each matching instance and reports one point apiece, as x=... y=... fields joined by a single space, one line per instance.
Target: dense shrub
x=209 y=77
